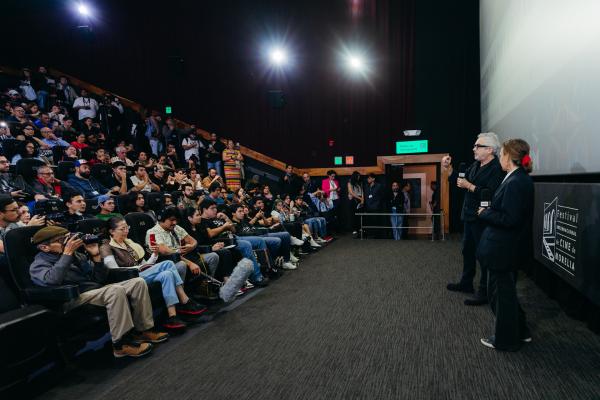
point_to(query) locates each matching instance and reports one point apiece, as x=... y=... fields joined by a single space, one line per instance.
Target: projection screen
x=540 y=79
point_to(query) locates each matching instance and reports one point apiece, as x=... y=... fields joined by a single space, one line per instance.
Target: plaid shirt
x=168 y=238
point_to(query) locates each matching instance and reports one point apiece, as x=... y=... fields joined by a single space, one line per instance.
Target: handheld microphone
x=462 y=168
x=486 y=198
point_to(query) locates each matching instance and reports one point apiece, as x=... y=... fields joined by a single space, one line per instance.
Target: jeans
x=167 y=274
x=245 y=245
x=396 y=224
x=42 y=97
x=317 y=225
x=285 y=244
x=218 y=165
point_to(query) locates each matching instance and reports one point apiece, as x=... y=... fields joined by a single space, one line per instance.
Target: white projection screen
x=540 y=79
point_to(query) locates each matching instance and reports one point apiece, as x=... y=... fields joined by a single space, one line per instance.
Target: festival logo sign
x=559 y=235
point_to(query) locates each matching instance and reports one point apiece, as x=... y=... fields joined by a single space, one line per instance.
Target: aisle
x=369 y=320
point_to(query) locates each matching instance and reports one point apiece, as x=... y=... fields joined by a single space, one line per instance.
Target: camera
x=52 y=209
x=87 y=238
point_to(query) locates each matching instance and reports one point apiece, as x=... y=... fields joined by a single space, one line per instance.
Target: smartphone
x=152 y=239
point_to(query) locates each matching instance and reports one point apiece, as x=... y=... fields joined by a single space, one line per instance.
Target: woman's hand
x=481 y=209
x=218 y=246
x=154 y=249
x=194 y=268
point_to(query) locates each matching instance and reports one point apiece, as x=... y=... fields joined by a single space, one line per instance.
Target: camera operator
x=484 y=173
x=127 y=303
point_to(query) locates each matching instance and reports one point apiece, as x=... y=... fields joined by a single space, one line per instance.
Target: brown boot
x=150 y=337
x=132 y=350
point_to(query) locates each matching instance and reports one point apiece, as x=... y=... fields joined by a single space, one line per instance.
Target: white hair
x=490 y=139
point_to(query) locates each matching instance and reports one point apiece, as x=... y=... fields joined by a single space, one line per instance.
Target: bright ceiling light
x=278 y=57
x=83 y=10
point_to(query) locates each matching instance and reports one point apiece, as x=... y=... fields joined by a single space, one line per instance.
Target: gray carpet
x=361 y=320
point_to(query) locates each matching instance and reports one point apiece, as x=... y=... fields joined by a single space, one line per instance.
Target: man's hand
x=194 y=268
x=481 y=209
x=464 y=184
x=228 y=225
x=37 y=220
x=17 y=193
x=154 y=249
x=39 y=197
x=186 y=248
x=72 y=244
x=218 y=246
x=122 y=173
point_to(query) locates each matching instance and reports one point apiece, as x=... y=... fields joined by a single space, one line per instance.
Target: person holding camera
x=484 y=173
x=85 y=106
x=60 y=261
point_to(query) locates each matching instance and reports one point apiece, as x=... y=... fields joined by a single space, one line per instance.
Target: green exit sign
x=168 y=110
x=412 y=146
x=337 y=160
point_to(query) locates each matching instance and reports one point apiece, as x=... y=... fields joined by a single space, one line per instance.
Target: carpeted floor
x=360 y=320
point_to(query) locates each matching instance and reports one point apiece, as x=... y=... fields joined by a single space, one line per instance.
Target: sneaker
x=288 y=265
x=458 y=287
x=248 y=285
x=149 y=337
x=173 y=323
x=313 y=243
x=239 y=293
x=477 y=300
x=296 y=242
x=527 y=339
x=294 y=259
x=262 y=283
x=488 y=342
x=328 y=238
x=132 y=350
x=320 y=240
x=191 y=308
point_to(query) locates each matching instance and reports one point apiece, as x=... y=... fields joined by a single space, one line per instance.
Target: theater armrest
x=54 y=294
x=122 y=274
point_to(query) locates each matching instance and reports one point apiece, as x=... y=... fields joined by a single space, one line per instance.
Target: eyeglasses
x=46 y=173
x=480 y=146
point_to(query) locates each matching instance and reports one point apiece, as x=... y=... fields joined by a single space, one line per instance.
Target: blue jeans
x=285 y=244
x=245 y=245
x=218 y=165
x=273 y=244
x=167 y=274
x=396 y=224
x=317 y=225
x=42 y=97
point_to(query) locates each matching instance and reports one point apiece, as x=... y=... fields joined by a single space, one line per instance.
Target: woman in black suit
x=503 y=244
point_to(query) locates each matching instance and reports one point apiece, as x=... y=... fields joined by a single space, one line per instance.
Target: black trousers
x=471 y=236
x=511 y=324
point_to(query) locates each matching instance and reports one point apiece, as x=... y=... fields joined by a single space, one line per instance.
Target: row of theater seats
x=35 y=330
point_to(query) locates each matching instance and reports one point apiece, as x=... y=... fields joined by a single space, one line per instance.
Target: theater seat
x=121 y=203
x=176 y=195
x=100 y=171
x=76 y=326
x=28 y=341
x=27 y=168
x=155 y=201
x=139 y=223
x=93 y=226
x=65 y=168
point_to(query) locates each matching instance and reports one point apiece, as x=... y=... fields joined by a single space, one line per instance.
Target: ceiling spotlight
x=83 y=10
x=356 y=63
x=278 y=57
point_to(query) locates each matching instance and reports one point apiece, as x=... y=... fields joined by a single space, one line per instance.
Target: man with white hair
x=121 y=156
x=484 y=173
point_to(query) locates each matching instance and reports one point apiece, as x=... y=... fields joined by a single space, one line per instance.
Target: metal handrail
x=432 y=227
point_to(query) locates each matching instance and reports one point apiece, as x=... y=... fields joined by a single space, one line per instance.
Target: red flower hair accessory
x=526 y=160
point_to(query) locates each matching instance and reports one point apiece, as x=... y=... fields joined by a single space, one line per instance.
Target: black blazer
x=508 y=222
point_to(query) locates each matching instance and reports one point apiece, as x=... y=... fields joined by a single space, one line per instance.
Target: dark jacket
x=487 y=177
x=395 y=201
x=49 y=269
x=374 y=197
x=508 y=223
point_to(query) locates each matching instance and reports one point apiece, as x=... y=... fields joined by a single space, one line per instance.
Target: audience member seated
x=253 y=186
x=84 y=183
x=28 y=149
x=47 y=186
x=244 y=229
x=106 y=204
x=175 y=244
x=141 y=181
x=127 y=303
x=176 y=181
x=118 y=181
x=212 y=177
x=12 y=184
x=76 y=207
x=121 y=251
x=79 y=143
x=281 y=215
x=305 y=214
x=218 y=226
x=158 y=177
x=136 y=202
x=121 y=156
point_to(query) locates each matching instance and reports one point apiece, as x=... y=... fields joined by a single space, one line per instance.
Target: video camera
x=52 y=209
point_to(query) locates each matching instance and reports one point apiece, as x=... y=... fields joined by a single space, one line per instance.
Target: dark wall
x=204 y=59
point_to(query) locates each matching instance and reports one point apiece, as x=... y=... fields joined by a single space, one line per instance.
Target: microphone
x=462 y=168
x=486 y=198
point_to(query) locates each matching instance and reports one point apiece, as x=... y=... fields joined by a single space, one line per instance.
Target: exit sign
x=412 y=146
x=338 y=160
x=168 y=110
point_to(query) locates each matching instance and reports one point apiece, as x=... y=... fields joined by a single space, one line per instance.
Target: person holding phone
x=122 y=252
x=503 y=244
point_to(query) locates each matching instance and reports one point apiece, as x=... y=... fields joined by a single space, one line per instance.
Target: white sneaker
x=296 y=242
x=288 y=265
x=293 y=258
x=248 y=285
x=239 y=293
x=320 y=240
x=313 y=243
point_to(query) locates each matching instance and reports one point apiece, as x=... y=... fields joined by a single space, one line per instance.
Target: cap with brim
x=48 y=233
x=103 y=199
x=79 y=163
